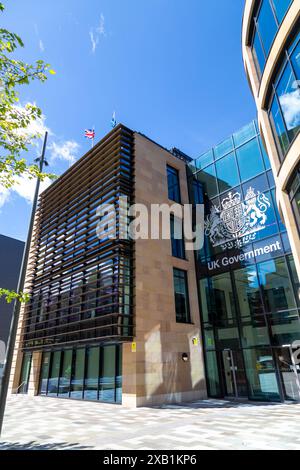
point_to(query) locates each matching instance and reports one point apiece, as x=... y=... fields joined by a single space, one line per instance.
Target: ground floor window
x=85 y=373
x=25 y=373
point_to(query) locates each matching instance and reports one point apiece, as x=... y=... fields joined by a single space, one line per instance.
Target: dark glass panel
x=92 y=373
x=65 y=377
x=285 y=327
x=181 y=296
x=119 y=374
x=54 y=374
x=25 y=373
x=77 y=373
x=208 y=178
x=177 y=241
x=44 y=373
x=248 y=293
x=276 y=286
x=213 y=374
x=173 y=184
x=107 y=380
x=220 y=300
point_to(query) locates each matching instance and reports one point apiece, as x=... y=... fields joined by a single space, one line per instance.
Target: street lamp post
x=17 y=304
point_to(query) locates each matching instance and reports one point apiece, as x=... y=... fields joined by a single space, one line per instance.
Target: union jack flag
x=89 y=133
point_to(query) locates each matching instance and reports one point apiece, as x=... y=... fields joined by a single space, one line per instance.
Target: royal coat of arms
x=235 y=222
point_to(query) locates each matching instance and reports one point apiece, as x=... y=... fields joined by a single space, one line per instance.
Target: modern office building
x=146 y=321
x=11 y=252
x=271 y=51
x=111 y=320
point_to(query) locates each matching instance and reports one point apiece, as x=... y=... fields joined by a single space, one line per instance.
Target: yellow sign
x=195 y=341
x=133 y=347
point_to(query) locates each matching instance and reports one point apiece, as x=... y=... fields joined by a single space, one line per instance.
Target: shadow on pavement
x=32 y=445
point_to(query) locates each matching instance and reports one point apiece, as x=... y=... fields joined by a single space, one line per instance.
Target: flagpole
x=17 y=305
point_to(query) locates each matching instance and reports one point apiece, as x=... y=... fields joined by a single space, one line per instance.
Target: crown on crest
x=231 y=200
x=250 y=194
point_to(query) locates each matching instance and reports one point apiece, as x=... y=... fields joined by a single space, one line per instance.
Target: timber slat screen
x=81 y=287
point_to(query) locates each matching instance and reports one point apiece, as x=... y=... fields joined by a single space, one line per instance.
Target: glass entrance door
x=25 y=373
x=289 y=373
x=235 y=383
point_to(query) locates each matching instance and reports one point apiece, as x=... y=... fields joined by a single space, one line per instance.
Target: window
x=177 y=238
x=294 y=194
x=284 y=108
x=249 y=160
x=182 y=306
x=173 y=184
x=267 y=26
x=227 y=173
x=269 y=18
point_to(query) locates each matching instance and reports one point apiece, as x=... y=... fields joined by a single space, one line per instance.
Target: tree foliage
x=16 y=132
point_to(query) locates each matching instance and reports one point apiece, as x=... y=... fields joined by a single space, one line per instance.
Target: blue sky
x=171 y=69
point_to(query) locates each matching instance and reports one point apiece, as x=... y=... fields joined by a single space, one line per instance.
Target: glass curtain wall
x=249 y=290
x=88 y=373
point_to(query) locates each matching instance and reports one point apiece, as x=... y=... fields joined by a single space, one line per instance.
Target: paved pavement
x=51 y=423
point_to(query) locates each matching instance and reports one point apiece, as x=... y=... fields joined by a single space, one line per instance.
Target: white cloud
x=41 y=46
x=97 y=32
x=290 y=103
x=66 y=151
x=23 y=187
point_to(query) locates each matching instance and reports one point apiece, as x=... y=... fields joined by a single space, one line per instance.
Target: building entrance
x=234 y=377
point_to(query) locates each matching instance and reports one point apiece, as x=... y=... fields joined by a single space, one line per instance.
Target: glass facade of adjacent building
x=249 y=291
x=266 y=23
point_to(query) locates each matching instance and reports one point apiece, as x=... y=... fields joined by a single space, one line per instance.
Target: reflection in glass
x=208 y=178
x=255 y=332
x=227 y=173
x=249 y=160
x=64 y=380
x=244 y=134
x=25 y=373
x=44 y=373
x=276 y=285
x=260 y=370
x=220 y=300
x=289 y=99
x=285 y=327
x=213 y=374
x=78 y=374
x=267 y=26
x=107 y=380
x=279 y=130
x=54 y=374
x=223 y=148
x=248 y=293
x=92 y=373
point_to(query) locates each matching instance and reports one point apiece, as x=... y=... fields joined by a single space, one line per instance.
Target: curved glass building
x=271 y=52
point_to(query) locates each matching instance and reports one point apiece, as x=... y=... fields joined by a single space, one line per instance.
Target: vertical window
x=65 y=377
x=173 y=184
x=280 y=134
x=258 y=55
x=182 y=306
x=78 y=374
x=107 y=380
x=289 y=98
x=177 y=238
x=25 y=373
x=44 y=373
x=54 y=374
x=267 y=25
x=92 y=374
